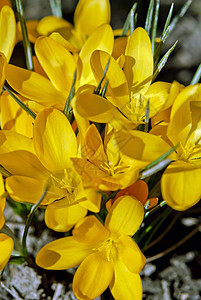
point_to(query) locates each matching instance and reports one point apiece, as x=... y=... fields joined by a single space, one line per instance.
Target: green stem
x=23 y=106
x=26 y=42
x=28 y=222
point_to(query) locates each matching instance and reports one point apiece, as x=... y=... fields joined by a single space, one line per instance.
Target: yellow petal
x=93 y=201
x=26 y=189
x=96 y=108
x=3 y=63
x=180 y=118
x=6 y=248
x=139 y=61
x=90 y=230
x=157 y=95
x=61 y=40
x=2 y=201
x=57 y=62
x=34 y=86
x=62 y=254
x=51 y=24
x=101 y=39
x=180 y=185
x=8 y=30
x=119 y=46
x=117 y=91
x=93 y=146
x=99 y=12
x=86 y=169
x=17 y=155
x=125 y=216
x=130 y=254
x=63 y=218
x=13 y=116
x=31 y=28
x=92 y=277
x=142 y=146
x=126 y=285
x=54 y=139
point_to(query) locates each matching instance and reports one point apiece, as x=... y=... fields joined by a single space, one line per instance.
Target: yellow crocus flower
x=72 y=37
x=107 y=255
x=129 y=89
x=180 y=182
x=43 y=161
x=103 y=165
x=53 y=86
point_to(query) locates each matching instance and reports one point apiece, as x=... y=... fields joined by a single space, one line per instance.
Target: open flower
x=180 y=182
x=6 y=242
x=128 y=90
x=72 y=37
x=43 y=161
x=53 y=86
x=103 y=165
x=107 y=254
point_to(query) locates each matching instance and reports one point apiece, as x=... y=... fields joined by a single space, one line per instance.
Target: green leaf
x=163 y=61
x=180 y=14
x=26 y=42
x=147 y=117
x=154 y=26
x=131 y=18
x=17 y=260
x=167 y=23
x=23 y=106
x=4 y=172
x=197 y=76
x=56 y=8
x=67 y=107
x=104 y=90
x=98 y=88
x=148 y=22
x=157 y=164
x=29 y=219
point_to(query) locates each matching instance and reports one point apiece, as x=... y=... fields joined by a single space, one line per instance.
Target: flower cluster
x=81 y=129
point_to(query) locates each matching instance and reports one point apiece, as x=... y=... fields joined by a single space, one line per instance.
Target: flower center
x=65 y=184
x=108 y=248
x=136 y=107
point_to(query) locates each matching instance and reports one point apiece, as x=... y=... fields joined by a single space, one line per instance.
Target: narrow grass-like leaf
x=17 y=260
x=98 y=88
x=180 y=14
x=148 y=22
x=26 y=42
x=126 y=25
x=56 y=8
x=4 y=172
x=67 y=107
x=23 y=106
x=158 y=48
x=154 y=229
x=197 y=76
x=104 y=90
x=167 y=23
x=154 y=25
x=158 y=160
x=29 y=219
x=163 y=61
x=158 y=167
x=146 y=117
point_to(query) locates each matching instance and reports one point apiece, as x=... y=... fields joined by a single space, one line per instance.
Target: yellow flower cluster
x=90 y=92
